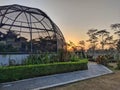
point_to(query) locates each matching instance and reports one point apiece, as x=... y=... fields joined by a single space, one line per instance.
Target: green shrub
x=118 y=54
x=74 y=58
x=118 y=60
x=118 y=64
x=12 y=73
x=102 y=59
x=39 y=59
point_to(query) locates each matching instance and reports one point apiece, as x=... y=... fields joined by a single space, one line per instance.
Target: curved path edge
x=44 y=82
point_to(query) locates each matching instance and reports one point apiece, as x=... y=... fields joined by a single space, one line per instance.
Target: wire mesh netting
x=25 y=29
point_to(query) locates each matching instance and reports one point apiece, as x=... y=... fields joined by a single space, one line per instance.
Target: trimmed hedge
x=13 y=73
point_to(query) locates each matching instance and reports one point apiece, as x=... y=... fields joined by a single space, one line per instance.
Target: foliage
x=102 y=59
x=118 y=54
x=92 y=39
x=90 y=58
x=103 y=34
x=118 y=46
x=7 y=48
x=118 y=60
x=110 y=42
x=116 y=27
x=12 y=62
x=12 y=73
x=61 y=55
x=118 y=64
x=74 y=58
x=71 y=46
x=44 y=58
x=92 y=34
x=82 y=45
x=40 y=59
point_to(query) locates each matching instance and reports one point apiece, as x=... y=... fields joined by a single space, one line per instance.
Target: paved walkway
x=56 y=80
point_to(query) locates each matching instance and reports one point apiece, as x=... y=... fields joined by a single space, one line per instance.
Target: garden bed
x=13 y=73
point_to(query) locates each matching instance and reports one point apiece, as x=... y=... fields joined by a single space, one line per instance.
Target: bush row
x=12 y=73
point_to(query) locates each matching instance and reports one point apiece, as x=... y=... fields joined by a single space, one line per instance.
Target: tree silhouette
x=116 y=27
x=92 y=39
x=118 y=46
x=82 y=47
x=82 y=43
x=71 y=45
x=103 y=34
x=110 y=42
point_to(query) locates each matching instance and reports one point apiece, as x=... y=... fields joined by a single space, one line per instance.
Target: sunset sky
x=76 y=17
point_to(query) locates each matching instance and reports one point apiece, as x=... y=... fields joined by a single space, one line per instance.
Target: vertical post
x=31 y=50
x=30 y=23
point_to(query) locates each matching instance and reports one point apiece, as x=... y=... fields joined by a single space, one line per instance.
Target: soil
x=106 y=82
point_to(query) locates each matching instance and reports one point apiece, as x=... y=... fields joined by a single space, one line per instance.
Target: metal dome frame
x=29 y=25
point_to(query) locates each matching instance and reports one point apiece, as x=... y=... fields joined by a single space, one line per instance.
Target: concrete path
x=38 y=83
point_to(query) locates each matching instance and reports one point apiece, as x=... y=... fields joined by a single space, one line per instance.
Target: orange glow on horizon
x=76 y=42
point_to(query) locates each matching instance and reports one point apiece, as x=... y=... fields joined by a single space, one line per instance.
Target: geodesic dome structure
x=26 y=29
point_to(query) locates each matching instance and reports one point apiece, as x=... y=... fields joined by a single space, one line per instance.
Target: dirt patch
x=106 y=82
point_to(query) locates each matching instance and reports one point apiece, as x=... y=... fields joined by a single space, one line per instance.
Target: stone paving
x=44 y=82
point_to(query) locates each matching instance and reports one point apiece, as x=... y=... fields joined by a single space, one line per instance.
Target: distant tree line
x=103 y=38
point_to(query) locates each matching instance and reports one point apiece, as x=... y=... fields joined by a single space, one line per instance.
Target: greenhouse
x=28 y=30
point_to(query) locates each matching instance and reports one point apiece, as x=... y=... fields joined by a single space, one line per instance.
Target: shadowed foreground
x=106 y=82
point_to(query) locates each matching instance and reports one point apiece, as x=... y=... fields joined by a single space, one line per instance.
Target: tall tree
x=71 y=45
x=82 y=44
x=109 y=40
x=118 y=46
x=103 y=34
x=92 y=39
x=116 y=27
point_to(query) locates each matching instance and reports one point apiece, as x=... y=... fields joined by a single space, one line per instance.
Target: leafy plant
x=74 y=57
x=12 y=73
x=41 y=58
x=118 y=46
x=118 y=60
x=102 y=59
x=36 y=59
x=118 y=54
x=12 y=62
